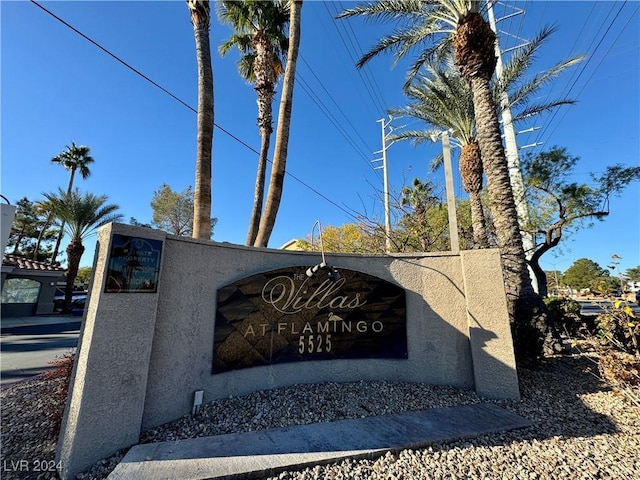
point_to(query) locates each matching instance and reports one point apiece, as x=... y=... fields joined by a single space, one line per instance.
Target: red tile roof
x=27 y=264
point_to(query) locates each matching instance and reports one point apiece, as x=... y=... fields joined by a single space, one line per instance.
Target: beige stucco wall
x=142 y=356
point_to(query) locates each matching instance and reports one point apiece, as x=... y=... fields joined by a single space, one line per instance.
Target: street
x=25 y=351
x=596 y=307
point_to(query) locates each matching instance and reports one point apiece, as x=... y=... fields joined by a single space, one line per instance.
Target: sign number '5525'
x=314 y=343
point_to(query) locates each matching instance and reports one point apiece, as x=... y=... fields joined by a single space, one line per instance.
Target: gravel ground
x=582 y=429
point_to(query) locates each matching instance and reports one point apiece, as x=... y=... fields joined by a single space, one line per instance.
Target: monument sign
x=286 y=315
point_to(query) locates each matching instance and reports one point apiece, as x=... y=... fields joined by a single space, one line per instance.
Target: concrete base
x=262 y=453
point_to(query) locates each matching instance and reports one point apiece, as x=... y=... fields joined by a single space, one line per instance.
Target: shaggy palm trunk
x=471 y=174
x=474 y=46
x=276 y=181
x=500 y=194
x=478 y=222
x=265 y=81
x=75 y=249
x=200 y=10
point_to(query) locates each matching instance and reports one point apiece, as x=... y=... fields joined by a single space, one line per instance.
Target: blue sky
x=57 y=88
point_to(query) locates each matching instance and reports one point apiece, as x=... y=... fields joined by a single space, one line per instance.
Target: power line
x=335 y=104
x=582 y=70
x=137 y=72
x=599 y=63
x=322 y=107
x=366 y=80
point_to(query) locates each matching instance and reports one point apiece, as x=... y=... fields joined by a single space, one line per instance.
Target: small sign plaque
x=134 y=265
x=286 y=316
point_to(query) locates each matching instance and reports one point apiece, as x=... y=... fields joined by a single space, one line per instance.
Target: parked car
x=78 y=300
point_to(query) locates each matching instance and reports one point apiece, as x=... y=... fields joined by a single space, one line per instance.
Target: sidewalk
x=267 y=452
x=16 y=322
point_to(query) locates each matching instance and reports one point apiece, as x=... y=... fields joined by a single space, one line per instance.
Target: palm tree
x=276 y=182
x=259 y=34
x=441 y=99
x=200 y=19
x=420 y=199
x=431 y=27
x=75 y=157
x=81 y=215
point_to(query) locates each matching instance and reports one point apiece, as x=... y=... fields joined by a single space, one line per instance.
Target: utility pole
x=451 y=199
x=511 y=150
x=387 y=212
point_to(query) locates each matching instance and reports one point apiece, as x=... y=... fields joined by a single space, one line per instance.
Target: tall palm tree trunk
x=526 y=309
x=200 y=18
x=500 y=193
x=474 y=48
x=258 y=194
x=276 y=181
x=266 y=79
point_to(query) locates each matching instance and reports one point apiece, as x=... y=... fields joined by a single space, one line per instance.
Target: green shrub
x=567 y=318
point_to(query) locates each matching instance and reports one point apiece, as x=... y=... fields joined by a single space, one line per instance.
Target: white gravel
x=582 y=429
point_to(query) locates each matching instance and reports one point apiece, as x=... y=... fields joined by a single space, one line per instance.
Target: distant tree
x=74 y=158
x=346 y=238
x=82 y=215
x=47 y=231
x=559 y=205
x=632 y=274
x=173 y=211
x=553 y=280
x=584 y=273
x=200 y=12
x=84 y=275
x=424 y=221
x=30 y=235
x=605 y=285
x=417 y=202
x=134 y=221
x=24 y=228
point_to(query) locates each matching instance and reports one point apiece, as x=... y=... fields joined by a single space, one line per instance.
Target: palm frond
x=418 y=24
x=539 y=108
x=385 y=10
x=522 y=94
x=82 y=214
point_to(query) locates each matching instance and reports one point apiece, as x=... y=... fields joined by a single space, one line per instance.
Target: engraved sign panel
x=286 y=316
x=134 y=265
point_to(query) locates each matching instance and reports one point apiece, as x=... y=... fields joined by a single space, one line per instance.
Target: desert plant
x=618 y=332
x=59 y=379
x=620 y=328
x=566 y=316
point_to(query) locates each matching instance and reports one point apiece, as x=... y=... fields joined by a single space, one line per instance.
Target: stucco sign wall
x=287 y=316
x=170 y=317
